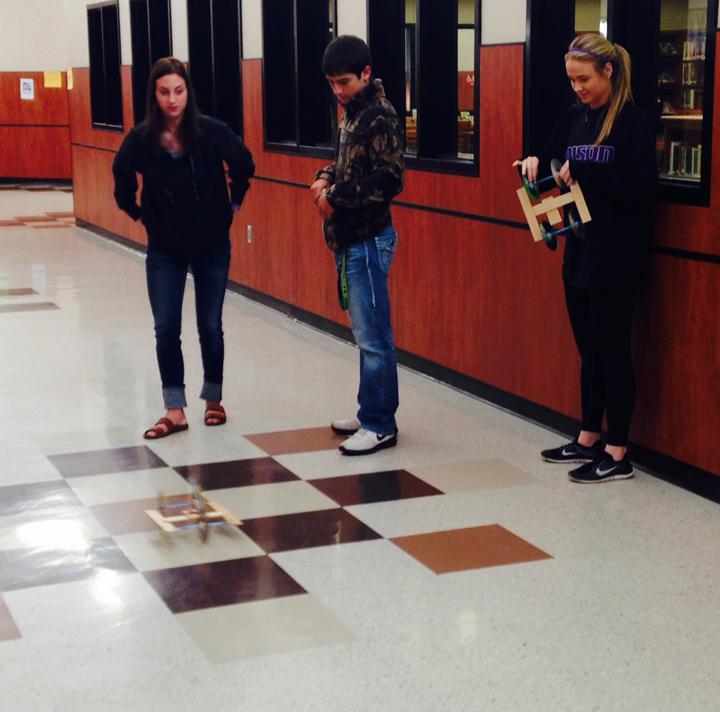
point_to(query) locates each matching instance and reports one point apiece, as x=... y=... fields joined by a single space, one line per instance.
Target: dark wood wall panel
x=45 y=152
x=34 y=134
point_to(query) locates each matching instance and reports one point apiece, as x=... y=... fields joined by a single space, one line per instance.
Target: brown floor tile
x=374 y=487
x=65 y=214
x=190 y=588
x=10 y=223
x=100 y=462
x=294 y=441
x=26 y=568
x=34 y=218
x=237 y=473
x=472 y=548
x=33 y=306
x=127 y=517
x=50 y=224
x=306 y=530
x=17 y=292
x=54 y=494
x=8 y=628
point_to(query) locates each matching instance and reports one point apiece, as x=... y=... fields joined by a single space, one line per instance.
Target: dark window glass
x=299 y=107
x=151 y=40
x=429 y=73
x=105 y=80
x=214 y=33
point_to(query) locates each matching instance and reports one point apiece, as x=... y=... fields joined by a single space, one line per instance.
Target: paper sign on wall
x=27 y=88
x=52 y=80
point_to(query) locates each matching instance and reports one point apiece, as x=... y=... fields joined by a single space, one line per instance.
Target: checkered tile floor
x=98 y=507
x=43 y=221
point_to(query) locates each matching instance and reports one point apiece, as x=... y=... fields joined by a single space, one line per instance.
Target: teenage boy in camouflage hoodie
x=353 y=196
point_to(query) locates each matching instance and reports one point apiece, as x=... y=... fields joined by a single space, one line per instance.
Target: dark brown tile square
x=472 y=548
x=126 y=517
x=8 y=628
x=285 y=442
x=54 y=494
x=308 y=529
x=23 y=568
x=18 y=291
x=33 y=306
x=189 y=588
x=61 y=214
x=238 y=473
x=100 y=462
x=10 y=223
x=374 y=487
x=34 y=218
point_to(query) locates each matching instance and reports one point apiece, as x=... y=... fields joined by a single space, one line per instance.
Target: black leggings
x=601 y=320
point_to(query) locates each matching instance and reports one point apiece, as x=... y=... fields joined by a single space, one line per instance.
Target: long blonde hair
x=594 y=48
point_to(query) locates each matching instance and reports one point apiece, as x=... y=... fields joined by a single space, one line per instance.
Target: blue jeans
x=367 y=265
x=166 y=277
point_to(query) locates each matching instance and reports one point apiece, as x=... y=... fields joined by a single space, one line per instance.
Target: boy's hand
x=323 y=207
x=317 y=188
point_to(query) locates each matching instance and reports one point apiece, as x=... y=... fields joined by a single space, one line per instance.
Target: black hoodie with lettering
x=619 y=181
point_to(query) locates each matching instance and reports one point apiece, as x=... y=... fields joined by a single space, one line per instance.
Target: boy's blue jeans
x=367 y=265
x=166 y=277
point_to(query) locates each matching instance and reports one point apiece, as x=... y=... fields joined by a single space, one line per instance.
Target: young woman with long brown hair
x=187 y=213
x=608 y=147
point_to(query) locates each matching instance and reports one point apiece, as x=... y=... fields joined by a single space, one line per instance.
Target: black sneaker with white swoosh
x=573 y=452
x=604 y=469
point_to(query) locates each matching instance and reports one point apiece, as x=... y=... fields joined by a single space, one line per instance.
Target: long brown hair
x=594 y=48
x=154 y=122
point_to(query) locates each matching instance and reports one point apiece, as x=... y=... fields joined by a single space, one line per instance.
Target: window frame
x=418 y=161
x=152 y=56
x=295 y=147
x=106 y=125
x=212 y=111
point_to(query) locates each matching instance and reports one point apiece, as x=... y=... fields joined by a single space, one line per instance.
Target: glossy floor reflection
x=454 y=572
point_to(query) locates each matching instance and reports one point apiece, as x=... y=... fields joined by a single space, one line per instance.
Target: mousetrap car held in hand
x=190 y=511
x=572 y=197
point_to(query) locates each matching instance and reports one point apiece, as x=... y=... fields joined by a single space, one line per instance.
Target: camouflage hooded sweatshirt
x=368 y=169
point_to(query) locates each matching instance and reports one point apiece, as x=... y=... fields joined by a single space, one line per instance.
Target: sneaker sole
x=624 y=476
x=380 y=446
x=562 y=462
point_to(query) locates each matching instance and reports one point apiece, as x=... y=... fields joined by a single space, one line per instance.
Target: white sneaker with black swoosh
x=365 y=442
x=604 y=469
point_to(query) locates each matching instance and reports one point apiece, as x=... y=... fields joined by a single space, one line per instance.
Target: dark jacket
x=184 y=203
x=368 y=169
x=619 y=181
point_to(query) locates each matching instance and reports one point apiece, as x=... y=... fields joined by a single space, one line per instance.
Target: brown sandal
x=214 y=412
x=155 y=433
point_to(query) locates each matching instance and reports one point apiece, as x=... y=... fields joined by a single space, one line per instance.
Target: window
x=214 y=37
x=429 y=75
x=106 y=100
x=591 y=16
x=151 y=40
x=300 y=112
x=684 y=57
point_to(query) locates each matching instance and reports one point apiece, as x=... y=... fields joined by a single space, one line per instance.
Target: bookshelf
x=680 y=92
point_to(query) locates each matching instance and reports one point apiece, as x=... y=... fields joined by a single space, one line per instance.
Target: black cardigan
x=619 y=181
x=184 y=203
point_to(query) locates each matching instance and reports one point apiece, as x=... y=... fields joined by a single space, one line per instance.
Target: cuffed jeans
x=166 y=277
x=367 y=265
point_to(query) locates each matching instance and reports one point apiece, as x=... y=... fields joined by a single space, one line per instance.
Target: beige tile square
x=272 y=500
x=249 y=630
x=150 y=551
x=290 y=441
x=126 y=486
x=472 y=475
x=471 y=548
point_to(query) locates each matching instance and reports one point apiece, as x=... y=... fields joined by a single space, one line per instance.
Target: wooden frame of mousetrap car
x=190 y=511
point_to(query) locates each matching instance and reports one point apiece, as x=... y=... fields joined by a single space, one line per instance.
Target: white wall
x=31 y=36
x=252 y=29
x=503 y=21
x=178 y=15
x=352 y=18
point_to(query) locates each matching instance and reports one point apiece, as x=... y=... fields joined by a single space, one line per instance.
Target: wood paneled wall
x=474 y=296
x=34 y=134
